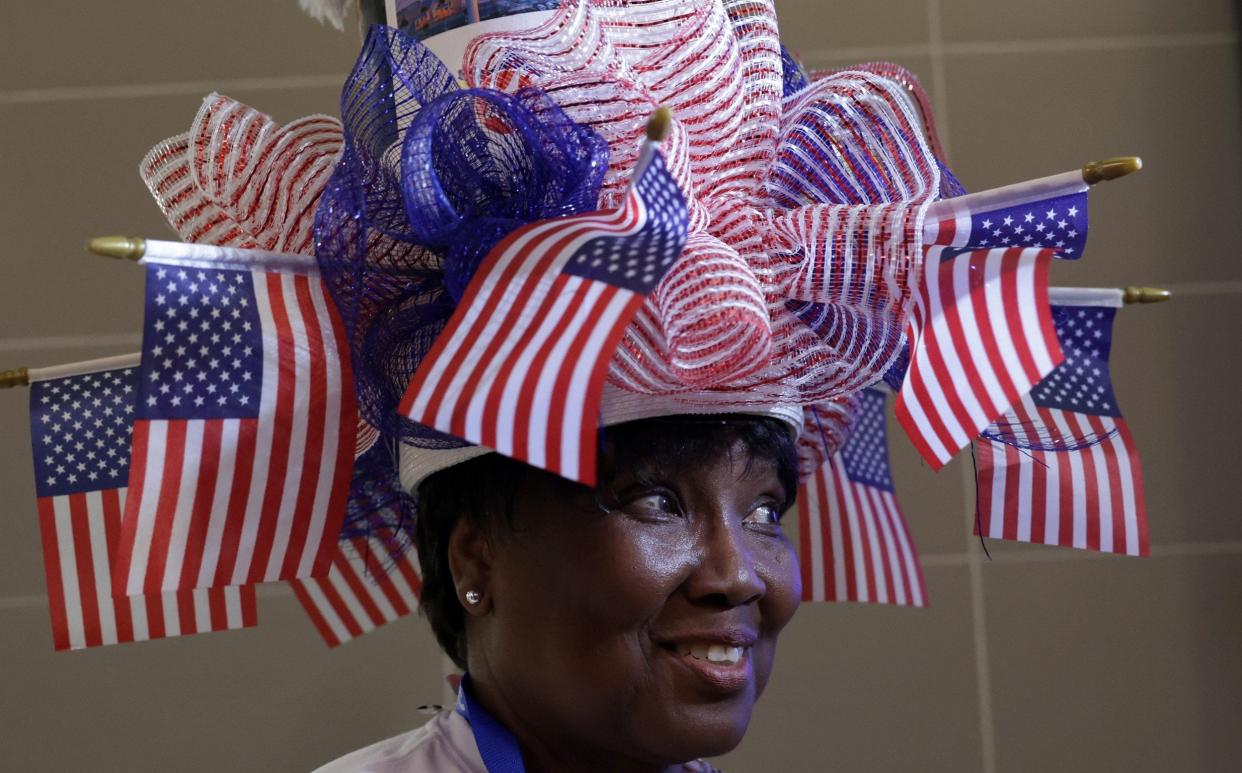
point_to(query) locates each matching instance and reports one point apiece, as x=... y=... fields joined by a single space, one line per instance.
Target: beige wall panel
x=934 y=503
x=1116 y=664
x=813 y=25
x=76 y=176
x=1020 y=116
x=991 y=21
x=69 y=44
x=1177 y=369
x=870 y=688
x=272 y=698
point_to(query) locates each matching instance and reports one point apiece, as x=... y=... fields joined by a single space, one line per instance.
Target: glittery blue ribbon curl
x=477 y=164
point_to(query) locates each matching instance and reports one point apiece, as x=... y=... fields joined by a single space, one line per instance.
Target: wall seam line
x=1036 y=46
x=170 y=89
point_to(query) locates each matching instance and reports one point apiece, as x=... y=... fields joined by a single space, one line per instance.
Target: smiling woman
x=627 y=627
x=615 y=596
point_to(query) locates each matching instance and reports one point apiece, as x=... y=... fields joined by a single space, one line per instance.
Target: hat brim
x=618 y=407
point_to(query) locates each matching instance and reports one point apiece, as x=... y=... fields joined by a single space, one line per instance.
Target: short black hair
x=482 y=490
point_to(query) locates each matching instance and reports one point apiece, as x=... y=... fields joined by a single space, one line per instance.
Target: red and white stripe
x=239 y=179
x=1089 y=498
x=854 y=542
x=365 y=588
x=79 y=532
x=240 y=501
x=518 y=368
x=951 y=229
x=981 y=335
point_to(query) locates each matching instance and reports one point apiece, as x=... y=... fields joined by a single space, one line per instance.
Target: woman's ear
x=470 y=562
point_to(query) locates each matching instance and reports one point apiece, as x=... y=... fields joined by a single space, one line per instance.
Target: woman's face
x=644 y=628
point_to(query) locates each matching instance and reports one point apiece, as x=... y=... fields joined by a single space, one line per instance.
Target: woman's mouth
x=721 y=668
x=713 y=653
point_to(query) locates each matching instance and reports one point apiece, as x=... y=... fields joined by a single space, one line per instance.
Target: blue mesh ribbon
x=794 y=78
x=432 y=176
x=477 y=164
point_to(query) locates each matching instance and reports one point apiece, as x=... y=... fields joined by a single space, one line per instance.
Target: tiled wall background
x=1037 y=660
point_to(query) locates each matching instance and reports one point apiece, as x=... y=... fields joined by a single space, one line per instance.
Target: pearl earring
x=473 y=597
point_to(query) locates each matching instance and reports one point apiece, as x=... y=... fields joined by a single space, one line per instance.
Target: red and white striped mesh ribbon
x=238 y=178
x=816 y=199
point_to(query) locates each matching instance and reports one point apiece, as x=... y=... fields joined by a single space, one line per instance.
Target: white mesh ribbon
x=238 y=178
x=806 y=212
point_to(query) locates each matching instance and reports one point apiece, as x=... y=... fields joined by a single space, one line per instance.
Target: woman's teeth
x=715 y=653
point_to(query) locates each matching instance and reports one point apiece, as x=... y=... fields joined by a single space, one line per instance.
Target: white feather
x=331 y=11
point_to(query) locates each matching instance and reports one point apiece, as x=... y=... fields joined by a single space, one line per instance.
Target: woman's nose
x=726 y=574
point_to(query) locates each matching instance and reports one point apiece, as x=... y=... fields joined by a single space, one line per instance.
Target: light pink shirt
x=444 y=745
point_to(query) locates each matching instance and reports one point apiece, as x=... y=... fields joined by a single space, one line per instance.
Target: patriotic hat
x=804 y=204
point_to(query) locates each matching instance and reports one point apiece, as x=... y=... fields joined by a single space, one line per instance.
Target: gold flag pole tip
x=1110 y=169
x=120 y=247
x=14 y=378
x=1146 y=295
x=658 y=124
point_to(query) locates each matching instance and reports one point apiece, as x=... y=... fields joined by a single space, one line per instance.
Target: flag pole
x=1106 y=296
x=658 y=126
x=1110 y=169
x=1135 y=294
x=1073 y=181
x=136 y=248
x=26 y=376
x=14 y=378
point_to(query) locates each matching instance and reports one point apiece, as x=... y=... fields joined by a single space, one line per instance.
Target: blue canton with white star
x=202 y=345
x=1059 y=223
x=80 y=429
x=638 y=262
x=866 y=452
x=1082 y=383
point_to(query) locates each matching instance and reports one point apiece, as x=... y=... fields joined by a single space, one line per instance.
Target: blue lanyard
x=497 y=745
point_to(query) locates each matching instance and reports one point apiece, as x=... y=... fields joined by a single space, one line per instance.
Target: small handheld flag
x=365 y=588
x=244 y=439
x=1061 y=467
x=520 y=366
x=81 y=418
x=854 y=542
x=981 y=335
x=1050 y=212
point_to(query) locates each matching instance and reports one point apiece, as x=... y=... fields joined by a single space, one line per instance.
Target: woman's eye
x=764 y=515
x=653 y=504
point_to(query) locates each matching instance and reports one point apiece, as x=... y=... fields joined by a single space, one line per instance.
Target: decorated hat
x=803 y=205
x=532 y=221
x=791 y=275
x=770 y=309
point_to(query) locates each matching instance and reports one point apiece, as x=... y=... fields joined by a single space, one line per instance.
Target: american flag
x=244 y=442
x=1061 y=467
x=80 y=425
x=1057 y=221
x=366 y=587
x=854 y=542
x=520 y=367
x=981 y=335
